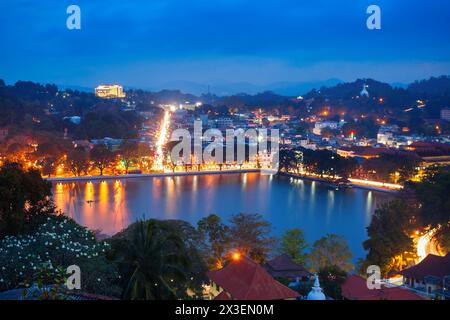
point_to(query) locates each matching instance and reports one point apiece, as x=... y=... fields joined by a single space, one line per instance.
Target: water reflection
x=287 y=203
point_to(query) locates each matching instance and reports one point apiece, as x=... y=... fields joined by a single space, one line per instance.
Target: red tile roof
x=223 y=296
x=424 y=149
x=355 y=288
x=432 y=265
x=244 y=279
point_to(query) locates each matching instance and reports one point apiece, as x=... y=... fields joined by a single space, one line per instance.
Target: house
x=431 y=275
x=319 y=126
x=244 y=279
x=284 y=267
x=355 y=288
x=430 y=149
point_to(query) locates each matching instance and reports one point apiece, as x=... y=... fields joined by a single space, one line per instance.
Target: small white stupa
x=364 y=92
x=316 y=291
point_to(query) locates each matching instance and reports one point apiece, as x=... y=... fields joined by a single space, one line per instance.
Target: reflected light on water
x=369 y=207
x=112 y=205
x=103 y=200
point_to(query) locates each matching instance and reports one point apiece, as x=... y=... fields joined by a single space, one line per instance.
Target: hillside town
x=363 y=134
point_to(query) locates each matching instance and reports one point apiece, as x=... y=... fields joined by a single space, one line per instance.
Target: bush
x=58 y=243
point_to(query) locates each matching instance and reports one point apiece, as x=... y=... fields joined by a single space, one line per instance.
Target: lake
x=112 y=205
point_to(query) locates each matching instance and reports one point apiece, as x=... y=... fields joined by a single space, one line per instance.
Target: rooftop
x=284 y=267
x=432 y=265
x=244 y=279
x=355 y=288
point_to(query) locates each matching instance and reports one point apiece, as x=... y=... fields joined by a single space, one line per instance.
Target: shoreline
x=355 y=183
x=148 y=175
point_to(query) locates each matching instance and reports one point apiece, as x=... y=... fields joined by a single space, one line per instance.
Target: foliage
x=389 y=236
x=214 y=234
x=250 y=235
x=155 y=262
x=384 y=167
x=293 y=243
x=101 y=157
x=129 y=153
x=363 y=128
x=78 y=161
x=47 y=283
x=331 y=280
x=433 y=204
x=291 y=160
x=331 y=250
x=106 y=121
x=325 y=162
x=304 y=287
x=24 y=195
x=58 y=243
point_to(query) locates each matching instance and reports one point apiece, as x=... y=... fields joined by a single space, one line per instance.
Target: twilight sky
x=151 y=43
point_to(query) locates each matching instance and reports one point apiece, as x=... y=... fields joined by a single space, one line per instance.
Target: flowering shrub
x=58 y=242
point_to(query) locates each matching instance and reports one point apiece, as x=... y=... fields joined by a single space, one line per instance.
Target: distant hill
x=75 y=87
x=286 y=88
x=433 y=87
x=435 y=92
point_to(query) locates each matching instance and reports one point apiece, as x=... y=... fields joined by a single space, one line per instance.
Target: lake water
x=111 y=205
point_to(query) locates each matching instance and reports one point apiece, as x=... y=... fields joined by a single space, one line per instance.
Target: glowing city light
x=162 y=139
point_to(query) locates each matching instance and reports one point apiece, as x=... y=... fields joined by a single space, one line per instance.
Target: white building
x=386 y=135
x=316 y=292
x=307 y=144
x=319 y=126
x=386 y=138
x=109 y=91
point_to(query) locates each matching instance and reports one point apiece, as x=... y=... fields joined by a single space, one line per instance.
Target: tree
x=78 y=161
x=387 y=165
x=293 y=243
x=214 y=234
x=145 y=156
x=153 y=260
x=331 y=250
x=101 y=157
x=291 y=160
x=331 y=280
x=390 y=244
x=24 y=195
x=250 y=235
x=433 y=203
x=129 y=153
x=329 y=132
x=48 y=166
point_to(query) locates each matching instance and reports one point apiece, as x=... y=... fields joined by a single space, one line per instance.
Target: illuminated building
x=319 y=126
x=109 y=91
x=431 y=276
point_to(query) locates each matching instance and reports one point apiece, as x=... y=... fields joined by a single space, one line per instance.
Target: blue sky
x=151 y=43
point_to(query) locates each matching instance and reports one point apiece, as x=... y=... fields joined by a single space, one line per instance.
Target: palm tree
x=156 y=261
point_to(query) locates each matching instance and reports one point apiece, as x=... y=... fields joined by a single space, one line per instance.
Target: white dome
x=316 y=291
